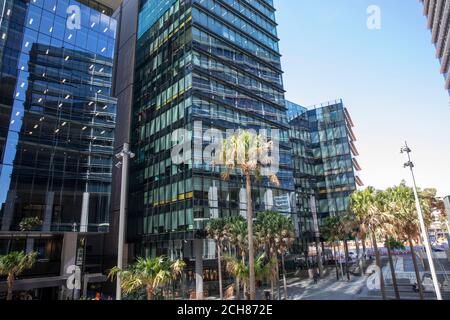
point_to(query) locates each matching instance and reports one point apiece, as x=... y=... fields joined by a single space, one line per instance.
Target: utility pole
x=124 y=156
x=423 y=228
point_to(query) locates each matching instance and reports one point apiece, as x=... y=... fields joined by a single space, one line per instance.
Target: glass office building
x=57 y=121
x=437 y=13
x=304 y=175
x=200 y=64
x=334 y=152
x=325 y=164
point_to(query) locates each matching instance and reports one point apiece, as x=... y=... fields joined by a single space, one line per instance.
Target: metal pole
x=125 y=156
x=422 y=225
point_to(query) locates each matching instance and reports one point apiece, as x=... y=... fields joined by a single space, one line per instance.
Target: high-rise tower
x=57 y=122
x=198 y=64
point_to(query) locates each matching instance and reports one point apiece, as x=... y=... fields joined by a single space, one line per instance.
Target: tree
x=248 y=152
x=236 y=231
x=331 y=233
x=27 y=224
x=149 y=274
x=387 y=230
x=367 y=206
x=13 y=265
x=354 y=232
x=284 y=238
x=276 y=234
x=239 y=269
x=346 y=229
x=408 y=221
x=216 y=230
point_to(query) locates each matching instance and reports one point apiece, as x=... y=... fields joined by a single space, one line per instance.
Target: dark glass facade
x=57 y=117
x=201 y=64
x=57 y=122
x=325 y=163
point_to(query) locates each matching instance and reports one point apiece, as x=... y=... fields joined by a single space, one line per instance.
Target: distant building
x=325 y=164
x=438 y=15
x=195 y=65
x=57 y=123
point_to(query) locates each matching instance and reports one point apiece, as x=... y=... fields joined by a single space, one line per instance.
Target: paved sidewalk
x=327 y=289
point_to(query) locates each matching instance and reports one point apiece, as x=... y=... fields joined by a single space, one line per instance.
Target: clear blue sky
x=389 y=80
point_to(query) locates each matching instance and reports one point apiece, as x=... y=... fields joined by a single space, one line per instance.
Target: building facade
x=57 y=125
x=325 y=165
x=199 y=64
x=438 y=21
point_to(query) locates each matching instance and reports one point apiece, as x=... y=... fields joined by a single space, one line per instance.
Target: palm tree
x=236 y=232
x=391 y=232
x=265 y=226
x=346 y=230
x=276 y=232
x=13 y=265
x=367 y=206
x=216 y=230
x=284 y=238
x=408 y=224
x=330 y=233
x=149 y=274
x=354 y=232
x=249 y=153
x=239 y=269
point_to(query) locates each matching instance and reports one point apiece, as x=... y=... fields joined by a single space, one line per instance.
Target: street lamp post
x=423 y=228
x=125 y=155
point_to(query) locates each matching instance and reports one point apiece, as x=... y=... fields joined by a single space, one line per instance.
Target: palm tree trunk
x=284 y=277
x=251 y=254
x=273 y=271
x=238 y=289
x=347 y=269
x=150 y=293
x=358 y=253
x=277 y=278
x=244 y=283
x=364 y=248
x=335 y=261
x=380 y=267
x=340 y=260
x=391 y=266
x=219 y=265
x=416 y=268
x=10 y=283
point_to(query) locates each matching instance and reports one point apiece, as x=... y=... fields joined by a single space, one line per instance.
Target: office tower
x=438 y=21
x=57 y=122
x=304 y=175
x=198 y=64
x=325 y=165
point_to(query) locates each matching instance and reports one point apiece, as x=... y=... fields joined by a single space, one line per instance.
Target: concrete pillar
x=68 y=258
x=47 y=223
x=84 y=221
x=30 y=245
x=9 y=210
x=198 y=253
x=268 y=199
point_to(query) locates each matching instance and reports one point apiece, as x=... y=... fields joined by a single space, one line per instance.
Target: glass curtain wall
x=57 y=116
x=201 y=64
